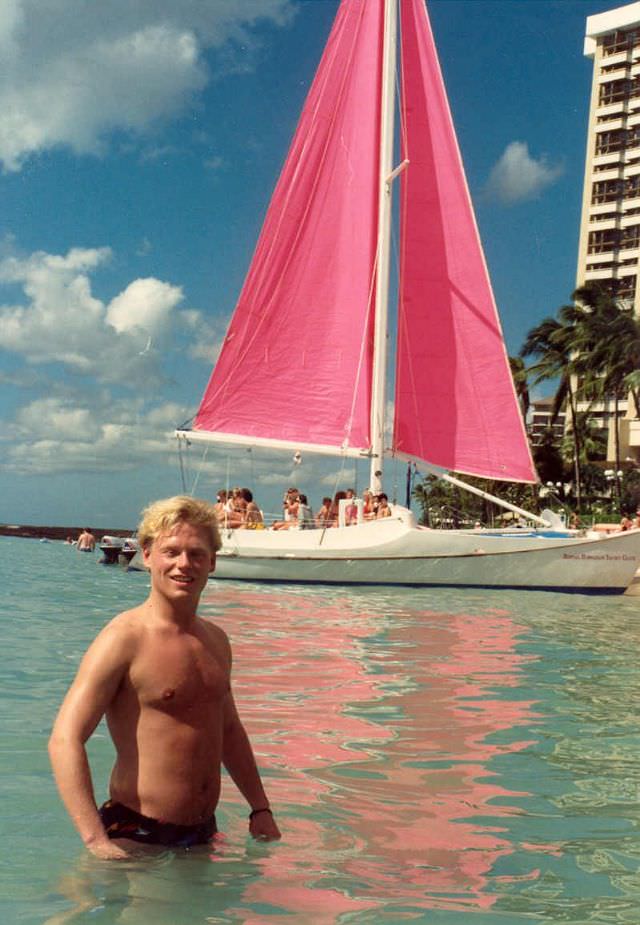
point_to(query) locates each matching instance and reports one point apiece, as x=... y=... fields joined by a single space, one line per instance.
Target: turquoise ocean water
x=450 y=757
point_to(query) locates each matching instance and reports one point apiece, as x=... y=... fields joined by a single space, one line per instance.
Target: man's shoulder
x=216 y=636
x=125 y=627
x=212 y=629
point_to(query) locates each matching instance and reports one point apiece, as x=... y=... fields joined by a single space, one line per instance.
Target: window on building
x=620 y=40
x=622 y=288
x=630 y=236
x=614 y=91
x=632 y=187
x=602 y=241
x=608 y=142
x=606 y=191
x=627 y=288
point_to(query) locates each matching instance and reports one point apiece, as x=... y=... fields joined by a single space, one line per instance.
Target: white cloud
x=73 y=71
x=145 y=304
x=55 y=434
x=61 y=321
x=208 y=335
x=518 y=176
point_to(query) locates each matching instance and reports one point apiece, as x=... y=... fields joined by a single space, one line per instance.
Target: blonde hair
x=163 y=516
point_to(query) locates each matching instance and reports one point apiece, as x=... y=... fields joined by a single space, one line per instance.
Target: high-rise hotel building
x=609 y=248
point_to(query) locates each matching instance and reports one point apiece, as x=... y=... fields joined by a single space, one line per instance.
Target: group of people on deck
x=236 y=509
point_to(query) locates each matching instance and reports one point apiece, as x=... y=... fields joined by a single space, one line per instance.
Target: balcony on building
x=634 y=433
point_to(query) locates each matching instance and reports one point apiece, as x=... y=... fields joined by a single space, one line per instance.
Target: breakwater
x=36 y=531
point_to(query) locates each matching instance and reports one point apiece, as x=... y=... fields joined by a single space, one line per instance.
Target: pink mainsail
x=295 y=366
x=455 y=404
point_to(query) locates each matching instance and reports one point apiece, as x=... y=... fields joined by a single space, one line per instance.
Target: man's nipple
x=168 y=694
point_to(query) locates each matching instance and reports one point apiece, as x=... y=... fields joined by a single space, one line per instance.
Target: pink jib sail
x=455 y=403
x=296 y=361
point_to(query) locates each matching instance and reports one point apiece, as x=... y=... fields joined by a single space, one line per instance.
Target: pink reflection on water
x=295 y=668
x=378 y=733
x=318 y=906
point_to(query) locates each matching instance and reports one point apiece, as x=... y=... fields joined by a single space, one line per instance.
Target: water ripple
x=435 y=756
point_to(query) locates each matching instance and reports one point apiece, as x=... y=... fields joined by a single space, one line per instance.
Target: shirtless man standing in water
x=161 y=675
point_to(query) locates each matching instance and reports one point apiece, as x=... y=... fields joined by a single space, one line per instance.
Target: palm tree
x=591 y=437
x=552 y=342
x=521 y=382
x=608 y=338
x=611 y=330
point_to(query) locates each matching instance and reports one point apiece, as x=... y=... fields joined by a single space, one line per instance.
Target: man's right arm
x=99 y=676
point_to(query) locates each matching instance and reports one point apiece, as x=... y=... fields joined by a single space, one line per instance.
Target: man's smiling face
x=180 y=561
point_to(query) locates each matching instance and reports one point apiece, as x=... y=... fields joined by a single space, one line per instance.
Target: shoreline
x=36 y=532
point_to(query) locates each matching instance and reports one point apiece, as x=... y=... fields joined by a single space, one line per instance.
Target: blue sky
x=139 y=145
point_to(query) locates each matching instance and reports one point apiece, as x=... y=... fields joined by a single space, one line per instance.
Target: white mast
x=378 y=383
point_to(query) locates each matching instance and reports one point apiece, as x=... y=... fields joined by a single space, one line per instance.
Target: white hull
x=397 y=551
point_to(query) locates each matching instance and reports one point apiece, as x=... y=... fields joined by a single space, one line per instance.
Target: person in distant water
x=86 y=541
x=162 y=677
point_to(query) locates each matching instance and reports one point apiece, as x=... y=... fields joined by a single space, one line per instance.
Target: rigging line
x=182 y=472
x=395 y=480
x=198 y=474
x=335 y=491
x=251 y=469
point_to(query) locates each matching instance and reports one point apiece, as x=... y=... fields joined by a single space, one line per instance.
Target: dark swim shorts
x=121 y=822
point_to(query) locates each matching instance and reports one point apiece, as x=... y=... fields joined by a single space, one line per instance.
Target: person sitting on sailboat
x=383 y=509
x=322 y=518
x=335 y=508
x=290 y=513
x=368 y=511
x=351 y=512
x=253 y=519
x=226 y=512
x=305 y=514
x=220 y=505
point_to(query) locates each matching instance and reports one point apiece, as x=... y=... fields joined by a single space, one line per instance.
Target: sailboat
x=321 y=272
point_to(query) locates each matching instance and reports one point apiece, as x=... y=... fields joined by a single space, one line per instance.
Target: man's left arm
x=240 y=762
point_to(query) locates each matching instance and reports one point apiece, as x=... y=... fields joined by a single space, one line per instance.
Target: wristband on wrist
x=262 y=809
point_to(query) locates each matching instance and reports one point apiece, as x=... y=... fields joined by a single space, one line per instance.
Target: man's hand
x=262 y=825
x=108 y=851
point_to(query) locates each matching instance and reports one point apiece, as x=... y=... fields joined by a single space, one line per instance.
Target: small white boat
x=118 y=550
x=110 y=547
x=321 y=270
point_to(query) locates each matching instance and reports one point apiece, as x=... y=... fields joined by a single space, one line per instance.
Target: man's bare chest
x=177 y=675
